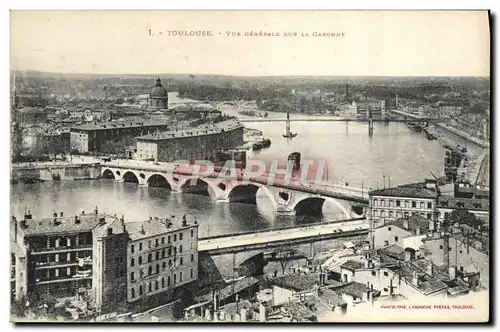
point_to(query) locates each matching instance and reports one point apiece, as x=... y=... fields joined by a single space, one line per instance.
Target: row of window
x=157 y=284
x=159 y=255
x=157 y=268
x=399 y=214
x=398 y=203
x=161 y=241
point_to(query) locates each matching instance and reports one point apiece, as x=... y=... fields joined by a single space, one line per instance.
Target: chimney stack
x=184 y=221
x=430 y=269
x=262 y=313
x=96 y=210
x=452 y=271
x=406 y=223
x=417 y=230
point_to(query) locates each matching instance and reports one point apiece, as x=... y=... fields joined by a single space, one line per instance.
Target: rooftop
x=64 y=225
x=155 y=226
x=414 y=222
x=297 y=282
x=414 y=190
x=355 y=289
x=427 y=284
x=118 y=124
x=353 y=265
x=482 y=204
x=199 y=131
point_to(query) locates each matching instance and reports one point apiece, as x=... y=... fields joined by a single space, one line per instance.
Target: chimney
x=417 y=230
x=184 y=221
x=414 y=280
x=262 y=313
x=142 y=231
x=243 y=315
x=96 y=210
x=61 y=214
x=452 y=271
x=431 y=226
x=215 y=299
x=430 y=269
x=406 y=223
x=409 y=254
x=83 y=212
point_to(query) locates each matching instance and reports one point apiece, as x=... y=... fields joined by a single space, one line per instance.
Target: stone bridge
x=287 y=201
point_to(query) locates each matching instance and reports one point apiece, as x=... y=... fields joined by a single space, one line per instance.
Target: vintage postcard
x=250 y=166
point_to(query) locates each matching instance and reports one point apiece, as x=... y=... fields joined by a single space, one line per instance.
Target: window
x=386 y=290
x=163 y=265
x=132 y=295
x=132 y=262
x=157 y=268
x=386 y=243
x=398 y=203
x=422 y=205
x=192 y=233
x=156 y=285
x=168 y=281
x=180 y=248
x=169 y=262
x=163 y=253
x=396 y=238
x=429 y=205
x=157 y=255
x=181 y=261
x=175 y=278
x=132 y=277
x=169 y=252
x=386 y=274
x=461 y=251
x=150 y=287
x=163 y=240
x=413 y=204
x=140 y=289
x=162 y=282
x=132 y=248
x=150 y=257
x=180 y=236
x=168 y=238
x=140 y=260
x=140 y=246
x=180 y=276
x=149 y=243
x=150 y=270
x=429 y=215
x=390 y=214
x=68 y=257
x=57 y=272
x=461 y=268
x=441 y=246
x=192 y=257
x=192 y=274
x=175 y=237
x=389 y=228
x=68 y=271
x=157 y=242
x=374 y=273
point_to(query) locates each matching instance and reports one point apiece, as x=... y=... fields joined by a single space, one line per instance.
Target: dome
x=158 y=90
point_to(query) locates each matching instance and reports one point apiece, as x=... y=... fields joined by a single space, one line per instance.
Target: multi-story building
x=59 y=256
x=101 y=259
x=162 y=255
x=27 y=116
x=93 y=137
x=349 y=109
x=404 y=201
x=198 y=143
x=158 y=98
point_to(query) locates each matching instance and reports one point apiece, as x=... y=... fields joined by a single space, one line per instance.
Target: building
x=350 y=110
x=162 y=256
x=467 y=253
x=158 y=98
x=95 y=137
x=27 y=116
x=200 y=143
x=404 y=232
x=404 y=201
x=480 y=207
x=59 y=257
x=374 y=108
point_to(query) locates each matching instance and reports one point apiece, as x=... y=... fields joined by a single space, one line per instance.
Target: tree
x=463 y=216
x=283 y=256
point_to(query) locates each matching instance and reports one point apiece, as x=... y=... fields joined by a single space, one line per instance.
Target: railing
x=40 y=251
x=280 y=228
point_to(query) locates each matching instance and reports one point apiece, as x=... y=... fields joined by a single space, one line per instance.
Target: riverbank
x=475 y=140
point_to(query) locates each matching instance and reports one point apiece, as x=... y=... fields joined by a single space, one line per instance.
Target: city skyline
x=386 y=49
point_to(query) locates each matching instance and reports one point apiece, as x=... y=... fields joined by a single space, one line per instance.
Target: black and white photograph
x=250 y=166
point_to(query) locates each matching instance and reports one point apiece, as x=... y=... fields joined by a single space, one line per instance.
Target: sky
x=425 y=43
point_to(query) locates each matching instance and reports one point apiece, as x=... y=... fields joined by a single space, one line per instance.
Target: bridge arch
x=130 y=176
x=247 y=193
x=309 y=206
x=196 y=185
x=158 y=181
x=108 y=174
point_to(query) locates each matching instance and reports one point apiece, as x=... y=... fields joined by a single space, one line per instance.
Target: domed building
x=158 y=98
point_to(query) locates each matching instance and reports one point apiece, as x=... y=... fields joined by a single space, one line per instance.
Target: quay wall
x=475 y=140
x=65 y=172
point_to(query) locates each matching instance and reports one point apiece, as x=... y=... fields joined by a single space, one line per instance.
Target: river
x=393 y=151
